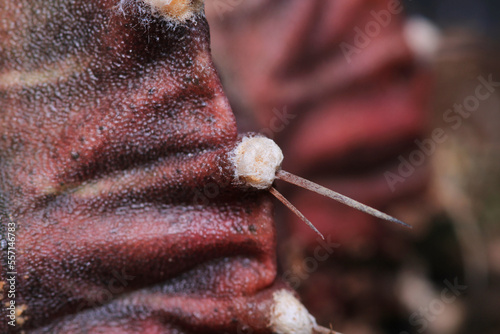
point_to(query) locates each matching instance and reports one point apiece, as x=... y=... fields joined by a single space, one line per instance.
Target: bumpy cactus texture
x=114 y=139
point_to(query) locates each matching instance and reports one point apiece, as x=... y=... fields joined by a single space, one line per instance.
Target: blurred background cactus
x=345 y=120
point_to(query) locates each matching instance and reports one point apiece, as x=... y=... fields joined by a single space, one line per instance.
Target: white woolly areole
x=256 y=161
x=288 y=315
x=177 y=10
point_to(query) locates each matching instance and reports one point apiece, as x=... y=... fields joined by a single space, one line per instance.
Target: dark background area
x=482 y=15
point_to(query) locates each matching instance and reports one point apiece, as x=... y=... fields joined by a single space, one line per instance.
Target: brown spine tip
x=289 y=205
x=306 y=184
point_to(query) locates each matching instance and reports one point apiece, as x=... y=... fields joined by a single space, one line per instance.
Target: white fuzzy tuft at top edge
x=256 y=161
x=175 y=11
